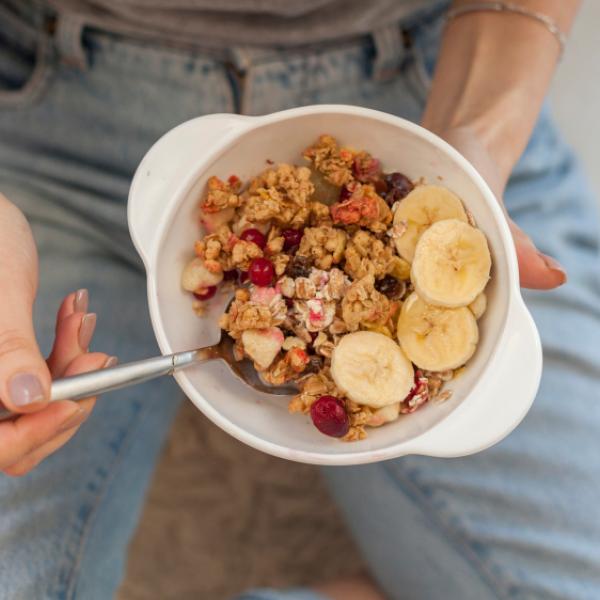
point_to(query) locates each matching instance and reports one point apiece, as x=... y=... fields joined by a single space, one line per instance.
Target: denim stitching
x=458 y=539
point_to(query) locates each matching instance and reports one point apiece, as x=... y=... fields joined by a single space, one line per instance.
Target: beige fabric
x=221 y=518
x=226 y=23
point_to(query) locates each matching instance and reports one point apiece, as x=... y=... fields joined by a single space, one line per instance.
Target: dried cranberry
x=291 y=238
x=243 y=276
x=299 y=266
x=388 y=286
x=398 y=186
x=289 y=302
x=345 y=193
x=207 y=294
x=254 y=236
x=230 y=275
x=329 y=416
x=261 y=272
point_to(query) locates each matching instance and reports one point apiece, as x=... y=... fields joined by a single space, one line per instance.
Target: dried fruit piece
x=389 y=286
x=291 y=238
x=418 y=395
x=398 y=187
x=206 y=293
x=300 y=266
x=261 y=271
x=329 y=416
x=254 y=236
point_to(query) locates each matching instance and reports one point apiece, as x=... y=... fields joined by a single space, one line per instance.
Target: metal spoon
x=106 y=380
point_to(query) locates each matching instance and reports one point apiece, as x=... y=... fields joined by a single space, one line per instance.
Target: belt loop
x=68 y=38
x=390 y=51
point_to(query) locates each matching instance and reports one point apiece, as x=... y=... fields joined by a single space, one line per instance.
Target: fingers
x=27 y=441
x=73 y=336
x=537 y=271
x=24 y=376
x=76 y=302
x=20 y=437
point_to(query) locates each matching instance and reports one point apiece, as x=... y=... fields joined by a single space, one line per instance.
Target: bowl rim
x=202 y=163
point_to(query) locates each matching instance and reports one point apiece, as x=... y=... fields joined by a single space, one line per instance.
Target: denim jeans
x=520 y=520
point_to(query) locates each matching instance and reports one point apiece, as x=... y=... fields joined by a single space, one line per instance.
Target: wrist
x=494 y=134
x=488 y=88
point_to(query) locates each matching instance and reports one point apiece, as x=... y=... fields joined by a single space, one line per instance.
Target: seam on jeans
x=37 y=81
x=457 y=539
x=85 y=529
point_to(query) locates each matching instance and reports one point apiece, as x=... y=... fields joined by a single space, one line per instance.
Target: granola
x=310 y=267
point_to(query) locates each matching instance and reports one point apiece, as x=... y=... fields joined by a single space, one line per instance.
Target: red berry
x=254 y=236
x=329 y=416
x=345 y=193
x=261 y=272
x=207 y=293
x=291 y=238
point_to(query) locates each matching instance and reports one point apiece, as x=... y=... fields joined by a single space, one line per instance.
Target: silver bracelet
x=510 y=7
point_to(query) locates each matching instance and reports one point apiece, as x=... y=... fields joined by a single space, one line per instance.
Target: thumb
x=537 y=271
x=24 y=375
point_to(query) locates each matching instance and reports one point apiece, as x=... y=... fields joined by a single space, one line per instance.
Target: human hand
x=537 y=270
x=25 y=376
x=485 y=100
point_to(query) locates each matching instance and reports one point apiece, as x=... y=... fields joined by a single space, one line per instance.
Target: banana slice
x=370 y=368
x=478 y=306
x=435 y=338
x=452 y=264
x=425 y=205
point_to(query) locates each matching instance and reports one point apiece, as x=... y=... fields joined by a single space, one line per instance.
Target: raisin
x=299 y=266
x=315 y=364
x=388 y=286
x=398 y=187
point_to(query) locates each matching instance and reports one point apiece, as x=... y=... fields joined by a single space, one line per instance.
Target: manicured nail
x=111 y=361
x=81 y=301
x=86 y=330
x=24 y=389
x=77 y=418
x=553 y=265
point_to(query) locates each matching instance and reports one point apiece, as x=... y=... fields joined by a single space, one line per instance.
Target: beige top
x=225 y=23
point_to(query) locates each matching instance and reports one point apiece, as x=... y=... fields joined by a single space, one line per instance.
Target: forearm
x=492 y=75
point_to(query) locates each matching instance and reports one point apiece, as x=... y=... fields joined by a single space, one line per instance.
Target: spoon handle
x=93 y=383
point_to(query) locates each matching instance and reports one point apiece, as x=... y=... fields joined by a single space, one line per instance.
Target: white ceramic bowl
x=490 y=398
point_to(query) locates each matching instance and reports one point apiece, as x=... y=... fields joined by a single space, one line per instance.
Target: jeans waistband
x=388 y=45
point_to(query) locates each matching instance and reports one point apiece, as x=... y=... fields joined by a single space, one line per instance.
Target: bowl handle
x=499 y=402
x=167 y=165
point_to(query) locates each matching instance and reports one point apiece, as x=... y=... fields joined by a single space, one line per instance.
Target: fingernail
x=24 y=389
x=111 y=361
x=81 y=301
x=553 y=264
x=86 y=330
x=77 y=418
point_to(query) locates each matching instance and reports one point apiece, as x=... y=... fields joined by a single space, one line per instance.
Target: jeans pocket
x=26 y=61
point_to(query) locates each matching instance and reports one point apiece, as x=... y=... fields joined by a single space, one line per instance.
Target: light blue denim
x=520 y=520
